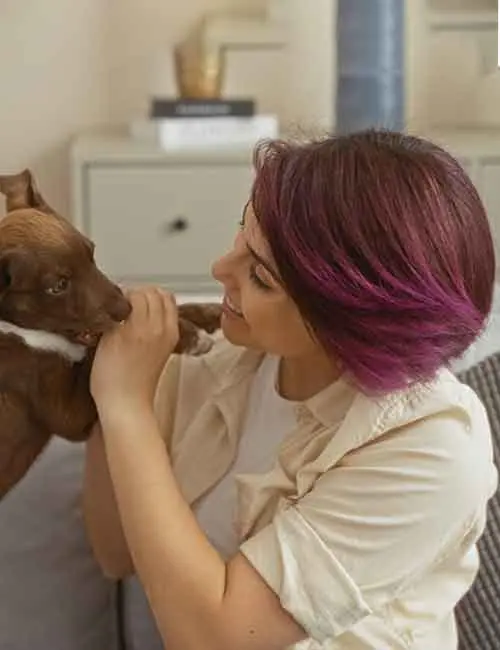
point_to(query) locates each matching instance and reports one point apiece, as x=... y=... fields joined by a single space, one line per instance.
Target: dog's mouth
x=89 y=338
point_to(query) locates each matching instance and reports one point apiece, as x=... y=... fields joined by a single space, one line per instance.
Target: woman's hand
x=130 y=358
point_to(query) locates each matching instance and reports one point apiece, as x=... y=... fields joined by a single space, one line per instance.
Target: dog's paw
x=201 y=345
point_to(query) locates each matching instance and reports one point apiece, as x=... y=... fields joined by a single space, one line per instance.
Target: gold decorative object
x=199 y=69
x=200 y=59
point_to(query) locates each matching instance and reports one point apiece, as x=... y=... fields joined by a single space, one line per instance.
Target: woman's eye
x=257 y=280
x=60 y=286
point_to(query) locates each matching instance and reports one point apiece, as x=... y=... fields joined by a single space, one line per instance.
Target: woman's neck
x=299 y=378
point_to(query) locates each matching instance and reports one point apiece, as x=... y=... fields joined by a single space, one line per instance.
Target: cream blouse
x=366 y=525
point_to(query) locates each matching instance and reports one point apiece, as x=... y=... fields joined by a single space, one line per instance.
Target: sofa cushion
x=139 y=626
x=478 y=614
x=52 y=593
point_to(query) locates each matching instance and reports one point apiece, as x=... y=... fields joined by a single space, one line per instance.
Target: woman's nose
x=221 y=268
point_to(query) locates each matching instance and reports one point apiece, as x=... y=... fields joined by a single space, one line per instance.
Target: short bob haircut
x=382 y=241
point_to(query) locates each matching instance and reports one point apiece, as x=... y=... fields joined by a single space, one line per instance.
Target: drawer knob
x=178 y=224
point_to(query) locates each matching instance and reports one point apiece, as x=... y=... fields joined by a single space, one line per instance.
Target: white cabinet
x=156 y=217
x=172 y=220
x=452 y=79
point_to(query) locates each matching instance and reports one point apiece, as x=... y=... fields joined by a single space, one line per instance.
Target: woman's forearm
x=182 y=574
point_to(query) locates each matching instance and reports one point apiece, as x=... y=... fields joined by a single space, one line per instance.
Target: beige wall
x=68 y=65
x=52 y=83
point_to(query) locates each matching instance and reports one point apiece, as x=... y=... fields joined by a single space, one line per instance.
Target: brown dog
x=54 y=305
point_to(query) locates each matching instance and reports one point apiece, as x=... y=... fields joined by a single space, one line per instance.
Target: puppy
x=54 y=305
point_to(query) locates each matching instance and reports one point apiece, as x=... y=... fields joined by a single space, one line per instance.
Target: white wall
x=310 y=62
x=68 y=65
x=52 y=83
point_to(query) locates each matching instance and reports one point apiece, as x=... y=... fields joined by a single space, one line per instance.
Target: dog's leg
x=21 y=441
x=206 y=316
x=74 y=413
x=192 y=339
x=196 y=322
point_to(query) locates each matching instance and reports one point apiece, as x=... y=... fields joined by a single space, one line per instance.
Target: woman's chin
x=235 y=330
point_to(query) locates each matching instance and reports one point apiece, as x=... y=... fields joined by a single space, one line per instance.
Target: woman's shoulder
x=442 y=424
x=428 y=446
x=444 y=402
x=445 y=399
x=442 y=417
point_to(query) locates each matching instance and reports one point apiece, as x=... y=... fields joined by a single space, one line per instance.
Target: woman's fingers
x=153 y=308
x=169 y=308
x=140 y=308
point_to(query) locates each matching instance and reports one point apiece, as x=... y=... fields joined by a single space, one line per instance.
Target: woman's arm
x=198 y=600
x=102 y=520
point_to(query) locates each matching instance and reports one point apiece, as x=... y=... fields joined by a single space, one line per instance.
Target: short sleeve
x=375 y=524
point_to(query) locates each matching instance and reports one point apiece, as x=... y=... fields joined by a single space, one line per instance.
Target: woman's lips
x=229 y=307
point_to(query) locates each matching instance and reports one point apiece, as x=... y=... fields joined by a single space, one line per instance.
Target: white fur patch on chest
x=41 y=340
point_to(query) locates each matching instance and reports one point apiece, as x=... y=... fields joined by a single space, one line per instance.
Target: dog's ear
x=14 y=265
x=21 y=192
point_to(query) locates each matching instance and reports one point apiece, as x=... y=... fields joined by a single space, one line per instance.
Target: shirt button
x=302 y=413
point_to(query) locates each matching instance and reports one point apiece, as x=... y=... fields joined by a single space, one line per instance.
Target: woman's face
x=258 y=313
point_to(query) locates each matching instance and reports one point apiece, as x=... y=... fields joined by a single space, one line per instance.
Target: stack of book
x=196 y=123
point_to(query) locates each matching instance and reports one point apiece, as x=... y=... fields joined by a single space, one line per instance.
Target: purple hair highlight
x=383 y=243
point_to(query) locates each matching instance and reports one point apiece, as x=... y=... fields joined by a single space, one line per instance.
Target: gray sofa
x=53 y=596
x=478 y=615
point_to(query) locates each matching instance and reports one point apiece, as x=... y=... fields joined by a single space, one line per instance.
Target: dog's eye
x=59 y=286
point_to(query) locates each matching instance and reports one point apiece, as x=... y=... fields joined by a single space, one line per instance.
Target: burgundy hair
x=382 y=241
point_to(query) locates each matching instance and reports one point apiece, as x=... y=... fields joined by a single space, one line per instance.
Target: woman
x=319 y=476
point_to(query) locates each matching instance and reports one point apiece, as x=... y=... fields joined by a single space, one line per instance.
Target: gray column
x=370 y=42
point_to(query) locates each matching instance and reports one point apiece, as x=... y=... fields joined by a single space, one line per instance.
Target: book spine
x=186 y=108
x=179 y=134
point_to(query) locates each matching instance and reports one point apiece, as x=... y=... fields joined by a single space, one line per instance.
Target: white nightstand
x=158 y=217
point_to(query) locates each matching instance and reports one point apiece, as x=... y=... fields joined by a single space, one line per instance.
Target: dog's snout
x=119 y=307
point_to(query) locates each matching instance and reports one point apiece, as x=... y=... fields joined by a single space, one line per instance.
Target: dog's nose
x=119 y=307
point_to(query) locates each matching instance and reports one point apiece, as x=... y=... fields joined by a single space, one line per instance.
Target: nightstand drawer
x=164 y=222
